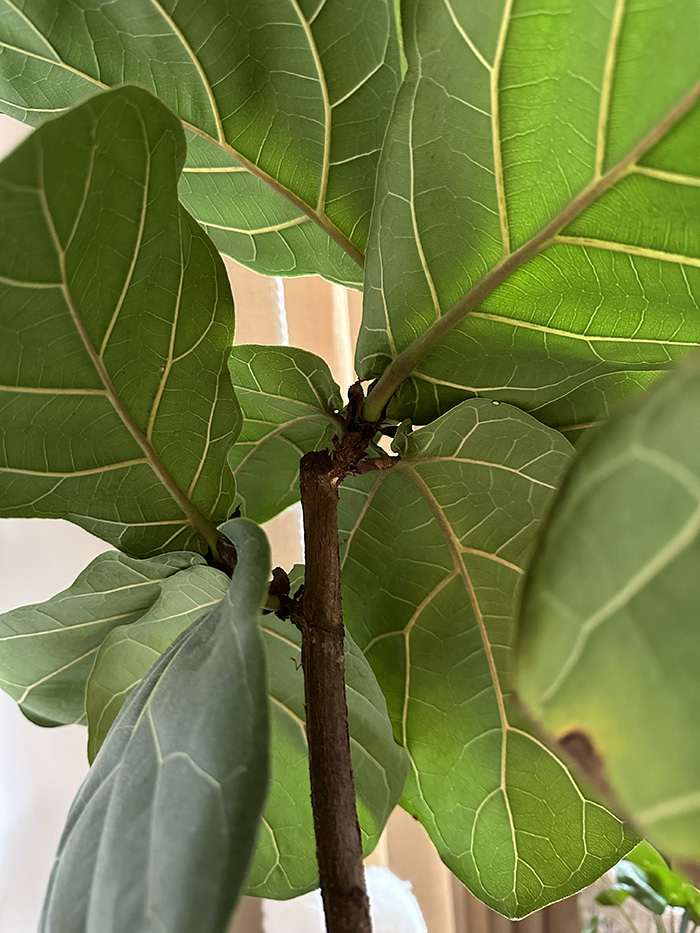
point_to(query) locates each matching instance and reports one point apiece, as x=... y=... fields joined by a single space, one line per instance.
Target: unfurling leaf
x=284 y=864
x=609 y=642
x=441 y=541
x=161 y=834
x=116 y=320
x=48 y=650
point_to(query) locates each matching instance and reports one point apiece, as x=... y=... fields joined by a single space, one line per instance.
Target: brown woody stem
x=338 y=840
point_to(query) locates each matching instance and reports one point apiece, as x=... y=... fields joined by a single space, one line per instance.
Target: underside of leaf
x=442 y=541
x=535 y=237
x=116 y=319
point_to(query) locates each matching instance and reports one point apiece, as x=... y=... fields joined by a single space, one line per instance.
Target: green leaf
x=252 y=222
x=288 y=398
x=116 y=321
x=131 y=649
x=608 y=648
x=285 y=861
x=435 y=550
x=677 y=891
x=645 y=856
x=47 y=650
x=537 y=231
x=298 y=92
x=161 y=833
x=614 y=896
x=593 y=925
x=637 y=881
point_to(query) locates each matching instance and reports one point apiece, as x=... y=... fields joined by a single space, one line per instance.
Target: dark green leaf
x=255 y=224
x=609 y=638
x=299 y=92
x=537 y=227
x=161 y=833
x=47 y=650
x=116 y=320
x=288 y=398
x=435 y=552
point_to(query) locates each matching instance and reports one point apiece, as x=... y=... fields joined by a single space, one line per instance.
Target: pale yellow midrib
x=606 y=88
x=406 y=363
x=495 y=77
x=454 y=545
x=585 y=338
x=199 y=68
x=327 y=109
x=628 y=249
x=256 y=231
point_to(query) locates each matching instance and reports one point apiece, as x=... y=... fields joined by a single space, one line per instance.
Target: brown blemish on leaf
x=577 y=746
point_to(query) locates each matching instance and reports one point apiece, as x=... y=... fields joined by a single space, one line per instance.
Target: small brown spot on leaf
x=578 y=747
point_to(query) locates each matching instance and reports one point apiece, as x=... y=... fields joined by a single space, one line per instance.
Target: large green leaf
x=285 y=862
x=289 y=401
x=435 y=550
x=537 y=231
x=297 y=91
x=129 y=650
x=47 y=650
x=116 y=320
x=161 y=833
x=609 y=644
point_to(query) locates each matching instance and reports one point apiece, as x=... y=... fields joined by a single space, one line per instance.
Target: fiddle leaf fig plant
x=515 y=185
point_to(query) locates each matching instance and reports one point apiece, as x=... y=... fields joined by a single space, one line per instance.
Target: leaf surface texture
x=536 y=237
x=116 y=410
x=296 y=91
x=442 y=540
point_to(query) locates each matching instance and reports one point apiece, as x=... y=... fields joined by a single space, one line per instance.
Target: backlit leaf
x=441 y=541
x=285 y=860
x=609 y=649
x=297 y=91
x=536 y=237
x=116 y=319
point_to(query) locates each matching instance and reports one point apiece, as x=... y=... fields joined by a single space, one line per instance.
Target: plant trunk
x=338 y=840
